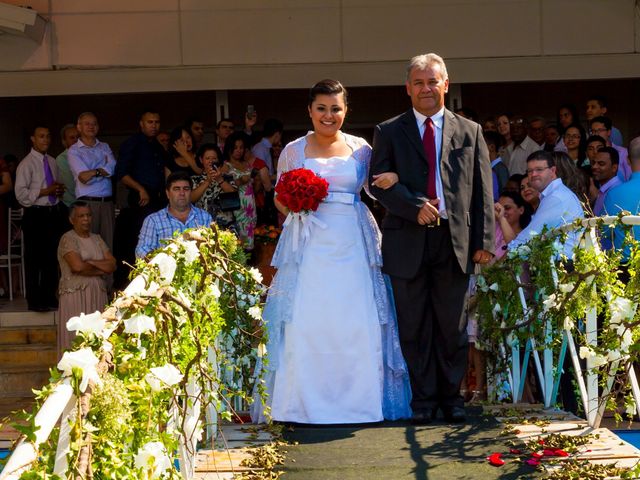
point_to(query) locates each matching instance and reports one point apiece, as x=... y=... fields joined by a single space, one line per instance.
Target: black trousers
x=432 y=324
x=127 y=229
x=42 y=228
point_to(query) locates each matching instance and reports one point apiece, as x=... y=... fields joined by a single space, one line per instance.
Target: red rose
x=312 y=191
x=308 y=203
x=294 y=205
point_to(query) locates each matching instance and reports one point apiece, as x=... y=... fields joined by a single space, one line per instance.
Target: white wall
x=95 y=46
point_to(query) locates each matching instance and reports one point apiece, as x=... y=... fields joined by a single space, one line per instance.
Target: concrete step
x=37 y=355
x=28 y=335
x=27 y=319
x=18 y=382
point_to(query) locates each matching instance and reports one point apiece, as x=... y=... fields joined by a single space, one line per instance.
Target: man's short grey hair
x=424 y=61
x=64 y=129
x=86 y=114
x=634 y=149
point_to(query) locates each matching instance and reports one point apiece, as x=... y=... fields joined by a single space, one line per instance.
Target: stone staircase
x=27 y=352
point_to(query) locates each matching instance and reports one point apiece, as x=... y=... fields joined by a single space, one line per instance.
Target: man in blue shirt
x=558 y=204
x=626 y=197
x=92 y=165
x=178 y=216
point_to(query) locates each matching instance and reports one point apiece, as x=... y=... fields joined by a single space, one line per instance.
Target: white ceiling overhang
x=21 y=21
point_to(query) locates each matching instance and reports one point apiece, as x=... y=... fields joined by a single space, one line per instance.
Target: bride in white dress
x=333 y=352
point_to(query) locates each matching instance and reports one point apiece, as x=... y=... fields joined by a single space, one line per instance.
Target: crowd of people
x=543 y=173
x=76 y=250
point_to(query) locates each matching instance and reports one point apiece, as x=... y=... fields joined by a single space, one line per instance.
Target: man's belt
x=95 y=199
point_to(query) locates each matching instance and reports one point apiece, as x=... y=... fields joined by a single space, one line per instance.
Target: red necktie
x=429 y=143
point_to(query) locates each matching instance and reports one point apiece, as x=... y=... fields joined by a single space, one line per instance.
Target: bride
x=333 y=352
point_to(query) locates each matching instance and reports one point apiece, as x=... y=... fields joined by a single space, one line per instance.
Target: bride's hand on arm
x=385 y=180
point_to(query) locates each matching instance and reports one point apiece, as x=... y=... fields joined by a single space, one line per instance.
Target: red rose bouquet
x=301 y=190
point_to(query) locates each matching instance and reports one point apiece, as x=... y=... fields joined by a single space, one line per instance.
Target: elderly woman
x=208 y=187
x=84 y=260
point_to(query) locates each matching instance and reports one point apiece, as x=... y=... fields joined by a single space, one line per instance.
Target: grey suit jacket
x=467 y=182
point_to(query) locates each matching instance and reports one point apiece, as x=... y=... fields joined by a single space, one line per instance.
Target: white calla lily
x=91 y=323
x=139 y=324
x=621 y=309
x=191 y=251
x=153 y=459
x=138 y=287
x=85 y=360
x=167 y=266
x=161 y=377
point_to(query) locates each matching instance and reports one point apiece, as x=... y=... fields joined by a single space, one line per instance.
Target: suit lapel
x=448 y=129
x=410 y=128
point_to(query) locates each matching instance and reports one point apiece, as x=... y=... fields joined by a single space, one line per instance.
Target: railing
x=547 y=369
x=194 y=306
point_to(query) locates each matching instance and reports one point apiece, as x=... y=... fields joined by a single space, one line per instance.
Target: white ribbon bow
x=301 y=224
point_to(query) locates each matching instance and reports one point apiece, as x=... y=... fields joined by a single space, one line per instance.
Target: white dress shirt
x=438 y=122
x=518 y=158
x=30 y=179
x=558 y=205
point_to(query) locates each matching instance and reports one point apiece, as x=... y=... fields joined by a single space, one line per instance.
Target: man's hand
x=144 y=198
x=482 y=257
x=429 y=212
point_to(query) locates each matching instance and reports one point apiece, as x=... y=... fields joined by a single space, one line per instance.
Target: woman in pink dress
x=85 y=261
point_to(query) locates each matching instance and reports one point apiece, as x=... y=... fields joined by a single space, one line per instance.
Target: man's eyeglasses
x=536 y=170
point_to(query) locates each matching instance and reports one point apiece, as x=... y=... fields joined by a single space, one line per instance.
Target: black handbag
x=229 y=201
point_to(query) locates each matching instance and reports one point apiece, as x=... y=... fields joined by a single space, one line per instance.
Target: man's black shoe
x=454 y=414
x=424 y=416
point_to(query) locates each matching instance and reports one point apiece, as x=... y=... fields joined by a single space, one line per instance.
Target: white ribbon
x=301 y=224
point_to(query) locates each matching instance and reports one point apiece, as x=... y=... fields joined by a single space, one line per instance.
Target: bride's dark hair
x=327 y=87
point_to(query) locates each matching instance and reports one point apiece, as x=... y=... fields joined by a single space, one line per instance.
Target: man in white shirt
x=39 y=192
x=558 y=204
x=69 y=136
x=93 y=164
x=523 y=145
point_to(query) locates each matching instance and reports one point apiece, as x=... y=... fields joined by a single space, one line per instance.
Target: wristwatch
x=98 y=173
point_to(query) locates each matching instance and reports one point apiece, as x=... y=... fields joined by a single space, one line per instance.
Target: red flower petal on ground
x=537 y=455
x=561 y=453
x=495 y=460
x=515 y=451
x=541 y=441
x=533 y=462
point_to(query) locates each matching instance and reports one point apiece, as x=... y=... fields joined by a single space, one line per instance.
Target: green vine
x=194 y=301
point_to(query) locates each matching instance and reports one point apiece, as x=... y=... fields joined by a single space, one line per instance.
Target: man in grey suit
x=439 y=224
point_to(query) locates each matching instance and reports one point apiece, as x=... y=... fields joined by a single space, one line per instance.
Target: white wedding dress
x=334 y=355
